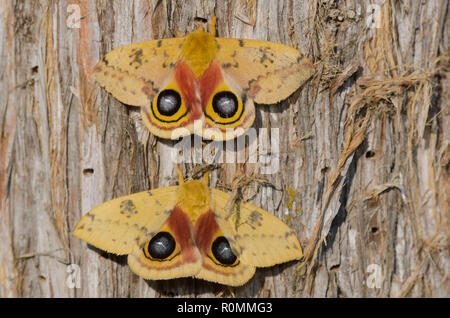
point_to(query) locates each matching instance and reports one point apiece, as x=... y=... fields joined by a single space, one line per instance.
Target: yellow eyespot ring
x=162 y=247
x=224 y=107
x=168 y=106
x=221 y=253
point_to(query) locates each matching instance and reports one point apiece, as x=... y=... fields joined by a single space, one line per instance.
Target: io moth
x=202 y=79
x=187 y=230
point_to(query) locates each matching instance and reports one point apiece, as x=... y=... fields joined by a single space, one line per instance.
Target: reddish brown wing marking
x=209 y=81
x=205 y=230
x=181 y=228
x=188 y=84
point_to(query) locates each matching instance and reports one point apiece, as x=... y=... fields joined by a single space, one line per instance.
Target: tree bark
x=364 y=150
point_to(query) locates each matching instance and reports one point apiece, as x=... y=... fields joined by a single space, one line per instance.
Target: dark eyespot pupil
x=161 y=245
x=169 y=102
x=225 y=104
x=222 y=251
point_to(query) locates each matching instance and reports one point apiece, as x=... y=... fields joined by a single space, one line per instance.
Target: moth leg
x=179 y=35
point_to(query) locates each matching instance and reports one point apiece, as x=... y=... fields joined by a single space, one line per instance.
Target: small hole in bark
x=200 y=19
x=370 y=154
x=325 y=170
x=374 y=230
x=335 y=267
x=88 y=172
x=34 y=69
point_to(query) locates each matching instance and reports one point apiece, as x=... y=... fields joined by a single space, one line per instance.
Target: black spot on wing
x=136 y=57
x=128 y=208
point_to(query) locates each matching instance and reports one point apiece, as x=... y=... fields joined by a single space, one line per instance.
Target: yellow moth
x=188 y=230
x=202 y=79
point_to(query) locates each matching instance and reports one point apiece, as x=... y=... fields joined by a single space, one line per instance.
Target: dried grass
x=388 y=87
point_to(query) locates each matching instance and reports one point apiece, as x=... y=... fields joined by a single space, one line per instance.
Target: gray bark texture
x=364 y=153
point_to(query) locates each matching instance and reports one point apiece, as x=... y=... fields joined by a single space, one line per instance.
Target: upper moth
x=212 y=82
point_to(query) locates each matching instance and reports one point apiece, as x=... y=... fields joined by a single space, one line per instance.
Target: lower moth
x=188 y=230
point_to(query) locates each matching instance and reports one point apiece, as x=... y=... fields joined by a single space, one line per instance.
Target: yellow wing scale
x=257 y=237
x=123 y=225
x=229 y=276
x=269 y=71
x=138 y=264
x=135 y=73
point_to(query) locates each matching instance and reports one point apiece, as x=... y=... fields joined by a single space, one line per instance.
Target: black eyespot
x=225 y=104
x=169 y=102
x=222 y=251
x=161 y=245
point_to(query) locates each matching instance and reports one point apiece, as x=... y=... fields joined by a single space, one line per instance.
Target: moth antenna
x=206 y=177
x=212 y=27
x=180 y=176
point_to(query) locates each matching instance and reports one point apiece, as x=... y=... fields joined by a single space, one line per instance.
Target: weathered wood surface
x=364 y=145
